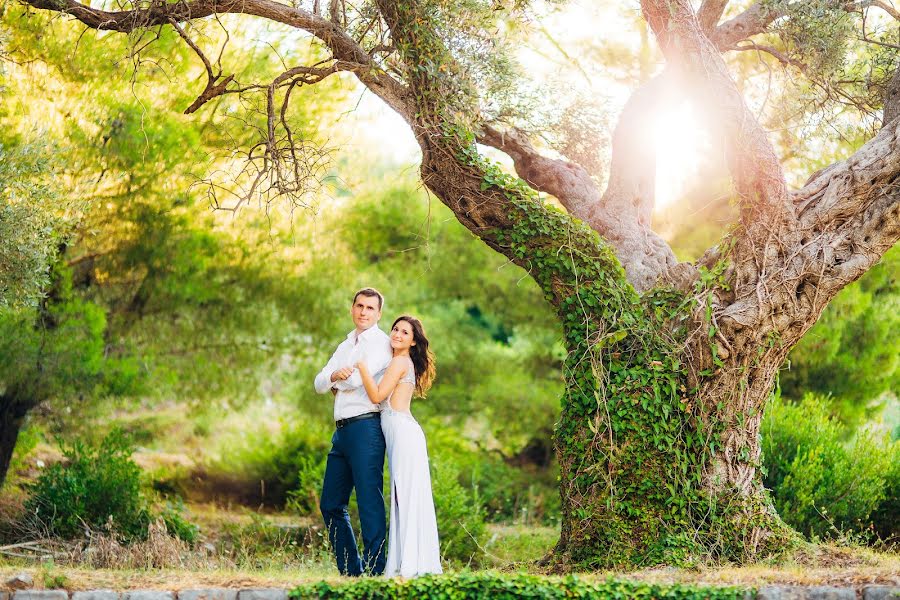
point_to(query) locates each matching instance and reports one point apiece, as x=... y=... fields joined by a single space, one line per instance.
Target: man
x=356 y=458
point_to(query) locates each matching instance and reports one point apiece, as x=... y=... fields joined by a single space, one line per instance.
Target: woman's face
x=402 y=336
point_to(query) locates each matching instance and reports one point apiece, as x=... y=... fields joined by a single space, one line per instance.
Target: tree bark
x=12 y=417
x=892 y=99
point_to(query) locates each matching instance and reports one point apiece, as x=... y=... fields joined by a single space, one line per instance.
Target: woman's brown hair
x=421 y=355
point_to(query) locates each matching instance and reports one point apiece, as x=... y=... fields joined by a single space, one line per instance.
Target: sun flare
x=680 y=145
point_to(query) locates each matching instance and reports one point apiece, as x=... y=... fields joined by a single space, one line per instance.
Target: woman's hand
x=362 y=367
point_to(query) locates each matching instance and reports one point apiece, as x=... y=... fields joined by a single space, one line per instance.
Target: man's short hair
x=371 y=293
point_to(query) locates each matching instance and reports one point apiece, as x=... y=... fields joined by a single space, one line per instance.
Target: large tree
x=669 y=364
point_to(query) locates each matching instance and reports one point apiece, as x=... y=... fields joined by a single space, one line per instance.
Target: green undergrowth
x=499 y=586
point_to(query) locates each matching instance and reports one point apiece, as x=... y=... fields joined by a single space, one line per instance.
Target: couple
x=373 y=377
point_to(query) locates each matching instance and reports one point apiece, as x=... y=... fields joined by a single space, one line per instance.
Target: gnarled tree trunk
x=12 y=417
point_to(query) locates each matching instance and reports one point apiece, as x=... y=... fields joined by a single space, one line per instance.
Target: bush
x=304 y=498
x=496 y=586
x=886 y=517
x=513 y=495
x=822 y=485
x=506 y=493
x=289 y=463
x=99 y=489
x=176 y=523
x=460 y=518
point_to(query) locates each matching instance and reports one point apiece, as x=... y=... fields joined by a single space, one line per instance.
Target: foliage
x=512 y=494
x=816 y=33
x=853 y=352
x=29 y=228
x=304 y=497
x=461 y=586
x=821 y=484
x=884 y=518
x=459 y=514
x=288 y=462
x=847 y=57
x=196 y=303
x=176 y=523
x=98 y=489
x=503 y=492
x=59 y=351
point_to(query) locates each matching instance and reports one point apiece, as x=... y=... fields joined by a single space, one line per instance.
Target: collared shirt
x=373 y=346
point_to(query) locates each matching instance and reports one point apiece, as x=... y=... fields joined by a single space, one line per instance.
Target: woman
x=413 y=540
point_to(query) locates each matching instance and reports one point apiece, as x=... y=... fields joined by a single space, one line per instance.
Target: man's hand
x=341 y=374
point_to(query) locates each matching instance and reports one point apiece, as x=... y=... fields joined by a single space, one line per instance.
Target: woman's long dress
x=413 y=539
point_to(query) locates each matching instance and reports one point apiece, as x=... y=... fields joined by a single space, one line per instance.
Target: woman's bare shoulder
x=399 y=361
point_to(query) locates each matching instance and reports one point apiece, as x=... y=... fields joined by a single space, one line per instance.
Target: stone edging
x=194 y=594
x=768 y=592
x=826 y=592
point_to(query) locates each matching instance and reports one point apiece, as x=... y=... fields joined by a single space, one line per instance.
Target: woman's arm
x=379 y=392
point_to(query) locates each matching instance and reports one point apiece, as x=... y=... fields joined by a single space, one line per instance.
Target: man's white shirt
x=372 y=346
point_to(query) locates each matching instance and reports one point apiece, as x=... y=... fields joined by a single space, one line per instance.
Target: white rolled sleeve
x=377 y=357
x=371 y=347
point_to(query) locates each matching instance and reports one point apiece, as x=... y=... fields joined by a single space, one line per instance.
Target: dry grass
x=158 y=551
x=816 y=565
x=81 y=578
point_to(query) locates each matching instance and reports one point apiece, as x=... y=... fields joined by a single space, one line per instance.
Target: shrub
x=886 y=517
x=27 y=441
x=506 y=493
x=497 y=586
x=822 y=485
x=510 y=494
x=304 y=498
x=99 y=488
x=460 y=517
x=176 y=524
x=288 y=462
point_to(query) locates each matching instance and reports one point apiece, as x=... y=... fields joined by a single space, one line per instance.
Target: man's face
x=365 y=311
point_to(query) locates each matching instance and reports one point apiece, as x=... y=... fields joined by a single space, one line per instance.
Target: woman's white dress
x=413 y=539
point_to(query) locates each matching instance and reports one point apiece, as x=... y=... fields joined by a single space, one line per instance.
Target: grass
x=77 y=578
x=518 y=543
x=259 y=554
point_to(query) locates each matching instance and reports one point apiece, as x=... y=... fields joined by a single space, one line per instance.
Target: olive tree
x=669 y=364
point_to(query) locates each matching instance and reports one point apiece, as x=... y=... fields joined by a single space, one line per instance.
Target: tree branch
x=755 y=168
x=890 y=10
x=849 y=216
x=342 y=46
x=622 y=214
x=710 y=12
x=843 y=192
x=758 y=17
x=753 y=21
x=567 y=181
x=892 y=99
